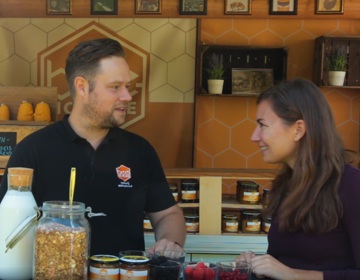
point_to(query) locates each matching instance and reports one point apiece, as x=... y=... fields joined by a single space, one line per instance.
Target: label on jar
x=147 y=224
x=133 y=274
x=251 y=196
x=176 y=197
x=252 y=226
x=188 y=195
x=104 y=273
x=192 y=227
x=231 y=226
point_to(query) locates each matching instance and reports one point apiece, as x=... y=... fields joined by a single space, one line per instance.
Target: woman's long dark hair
x=306 y=197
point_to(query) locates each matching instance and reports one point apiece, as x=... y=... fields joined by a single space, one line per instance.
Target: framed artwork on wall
x=193 y=7
x=329 y=6
x=148 y=6
x=251 y=80
x=283 y=7
x=237 y=7
x=58 y=7
x=104 y=7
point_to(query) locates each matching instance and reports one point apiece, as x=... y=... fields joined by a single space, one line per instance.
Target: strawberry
x=198 y=273
x=200 y=265
x=209 y=274
x=188 y=272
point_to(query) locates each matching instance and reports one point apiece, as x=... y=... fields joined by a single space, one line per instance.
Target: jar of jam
x=192 y=223
x=230 y=223
x=174 y=191
x=134 y=267
x=247 y=192
x=189 y=190
x=147 y=224
x=251 y=222
x=266 y=223
x=265 y=197
x=104 y=267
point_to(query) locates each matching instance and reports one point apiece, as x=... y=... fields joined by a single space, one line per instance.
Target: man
x=117 y=172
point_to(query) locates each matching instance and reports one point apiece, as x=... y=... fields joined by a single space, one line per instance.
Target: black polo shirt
x=123 y=178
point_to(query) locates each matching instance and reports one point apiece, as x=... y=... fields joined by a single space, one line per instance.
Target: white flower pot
x=215 y=86
x=336 y=78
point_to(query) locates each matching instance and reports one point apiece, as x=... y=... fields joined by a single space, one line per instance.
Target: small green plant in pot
x=337 y=63
x=215 y=73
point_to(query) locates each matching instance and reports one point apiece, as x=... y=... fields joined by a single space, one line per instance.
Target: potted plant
x=337 y=63
x=215 y=72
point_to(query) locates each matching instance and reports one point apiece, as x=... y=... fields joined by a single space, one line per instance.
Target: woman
x=315 y=199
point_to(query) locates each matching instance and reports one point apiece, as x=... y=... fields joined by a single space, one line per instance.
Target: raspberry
x=209 y=274
x=188 y=272
x=198 y=273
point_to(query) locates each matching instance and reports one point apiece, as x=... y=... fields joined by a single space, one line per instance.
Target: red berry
x=209 y=274
x=201 y=265
x=188 y=272
x=198 y=273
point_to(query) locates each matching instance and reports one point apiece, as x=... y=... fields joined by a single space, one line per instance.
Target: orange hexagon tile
x=212 y=137
x=350 y=135
x=285 y=27
x=248 y=27
x=267 y=38
x=229 y=159
x=204 y=109
x=232 y=38
x=230 y=110
x=215 y=27
x=203 y=160
x=240 y=138
x=340 y=106
x=319 y=27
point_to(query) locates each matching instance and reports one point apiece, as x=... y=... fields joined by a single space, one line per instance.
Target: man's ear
x=300 y=129
x=81 y=85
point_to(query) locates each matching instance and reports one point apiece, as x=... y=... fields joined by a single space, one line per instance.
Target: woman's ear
x=81 y=85
x=300 y=129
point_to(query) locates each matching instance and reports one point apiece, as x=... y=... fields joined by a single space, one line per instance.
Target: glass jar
x=147 y=223
x=104 y=267
x=247 y=192
x=189 y=190
x=174 y=191
x=266 y=223
x=265 y=197
x=230 y=223
x=134 y=267
x=192 y=223
x=251 y=222
x=62 y=242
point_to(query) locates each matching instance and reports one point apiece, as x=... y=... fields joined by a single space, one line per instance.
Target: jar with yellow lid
x=192 y=223
x=104 y=267
x=134 y=267
x=247 y=192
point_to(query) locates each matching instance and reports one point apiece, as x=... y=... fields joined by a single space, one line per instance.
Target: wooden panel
x=13 y=96
x=210 y=205
x=170 y=9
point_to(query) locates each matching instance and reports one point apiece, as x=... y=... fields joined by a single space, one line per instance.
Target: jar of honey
x=230 y=223
x=265 y=197
x=266 y=223
x=134 y=267
x=175 y=191
x=247 y=192
x=147 y=224
x=104 y=267
x=189 y=190
x=251 y=222
x=192 y=223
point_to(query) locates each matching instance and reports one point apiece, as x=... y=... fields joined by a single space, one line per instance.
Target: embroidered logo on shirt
x=123 y=172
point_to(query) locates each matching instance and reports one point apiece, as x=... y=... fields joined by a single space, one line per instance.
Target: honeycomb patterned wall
x=224 y=124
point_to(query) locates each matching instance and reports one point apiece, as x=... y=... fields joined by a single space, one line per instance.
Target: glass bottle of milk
x=17 y=205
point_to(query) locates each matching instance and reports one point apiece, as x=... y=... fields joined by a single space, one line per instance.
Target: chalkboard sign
x=7 y=143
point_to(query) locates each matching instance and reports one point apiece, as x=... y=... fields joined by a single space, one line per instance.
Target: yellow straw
x=72 y=185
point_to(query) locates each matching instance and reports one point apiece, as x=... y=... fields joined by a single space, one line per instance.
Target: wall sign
x=7 y=143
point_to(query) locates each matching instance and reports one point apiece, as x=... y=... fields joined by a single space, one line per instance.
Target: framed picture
x=104 y=7
x=329 y=6
x=251 y=81
x=58 y=7
x=237 y=7
x=193 y=7
x=148 y=6
x=283 y=7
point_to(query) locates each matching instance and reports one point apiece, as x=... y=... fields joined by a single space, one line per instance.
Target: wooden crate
x=324 y=46
x=13 y=131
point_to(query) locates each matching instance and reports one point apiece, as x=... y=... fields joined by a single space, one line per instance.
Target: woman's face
x=277 y=141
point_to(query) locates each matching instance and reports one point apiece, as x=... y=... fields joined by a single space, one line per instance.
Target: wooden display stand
x=13 y=131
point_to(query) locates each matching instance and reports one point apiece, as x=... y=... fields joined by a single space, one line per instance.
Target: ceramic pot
x=336 y=78
x=215 y=86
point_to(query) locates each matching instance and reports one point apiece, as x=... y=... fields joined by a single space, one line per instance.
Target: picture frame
x=237 y=7
x=193 y=7
x=148 y=6
x=283 y=7
x=104 y=7
x=251 y=81
x=58 y=7
x=329 y=7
